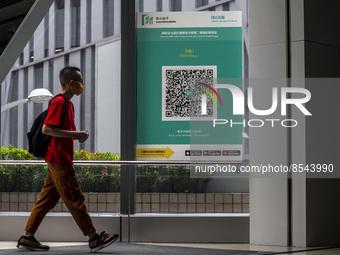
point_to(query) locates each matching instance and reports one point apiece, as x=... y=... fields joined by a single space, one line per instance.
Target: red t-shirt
x=60 y=150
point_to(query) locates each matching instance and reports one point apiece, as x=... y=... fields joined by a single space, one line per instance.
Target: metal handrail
x=119 y=162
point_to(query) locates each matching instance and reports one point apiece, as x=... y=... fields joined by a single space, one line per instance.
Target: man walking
x=61 y=180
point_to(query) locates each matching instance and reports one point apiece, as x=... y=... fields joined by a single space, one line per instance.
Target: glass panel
x=13 y=117
x=200 y=3
x=20 y=186
x=140 y=5
x=79 y=23
x=31 y=50
x=68 y=24
x=46 y=34
x=108 y=18
x=88 y=20
x=160 y=189
x=25 y=110
x=75 y=23
x=21 y=59
x=173 y=188
x=159 y=5
x=59 y=25
x=226 y=7
x=38 y=83
x=176 y=5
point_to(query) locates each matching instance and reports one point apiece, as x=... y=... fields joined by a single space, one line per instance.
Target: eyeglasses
x=80 y=80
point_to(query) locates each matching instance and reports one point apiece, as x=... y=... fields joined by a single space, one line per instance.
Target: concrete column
x=39 y=42
x=21 y=95
x=117 y=17
x=316 y=201
x=26 y=54
x=306 y=212
x=46 y=81
x=89 y=97
x=188 y=5
x=51 y=31
x=58 y=64
x=150 y=6
x=97 y=11
x=30 y=86
x=268 y=62
x=166 y=6
x=83 y=18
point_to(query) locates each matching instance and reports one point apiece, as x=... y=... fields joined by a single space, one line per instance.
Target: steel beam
x=22 y=35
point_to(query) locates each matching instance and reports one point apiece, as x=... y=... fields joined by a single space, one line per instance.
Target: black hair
x=68 y=73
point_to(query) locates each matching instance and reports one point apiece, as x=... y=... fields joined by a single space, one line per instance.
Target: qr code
x=187 y=93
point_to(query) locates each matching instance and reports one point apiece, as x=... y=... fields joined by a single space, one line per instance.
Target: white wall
x=108 y=98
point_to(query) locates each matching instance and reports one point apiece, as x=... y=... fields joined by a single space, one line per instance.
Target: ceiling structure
x=12 y=13
x=18 y=21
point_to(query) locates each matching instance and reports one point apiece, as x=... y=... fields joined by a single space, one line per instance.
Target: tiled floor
x=245 y=247
x=5 y=245
x=266 y=249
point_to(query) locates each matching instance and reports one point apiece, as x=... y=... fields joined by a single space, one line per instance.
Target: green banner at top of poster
x=180 y=58
x=189 y=19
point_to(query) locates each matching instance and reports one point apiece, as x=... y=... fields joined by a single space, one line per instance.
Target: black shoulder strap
x=62 y=95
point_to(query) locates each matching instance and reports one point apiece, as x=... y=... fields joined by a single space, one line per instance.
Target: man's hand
x=83 y=135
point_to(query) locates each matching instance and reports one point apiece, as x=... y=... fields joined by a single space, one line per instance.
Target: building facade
x=85 y=33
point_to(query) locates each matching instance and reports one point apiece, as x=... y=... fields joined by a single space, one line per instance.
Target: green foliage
x=148 y=179
x=98 y=178
x=87 y=155
x=20 y=178
x=95 y=178
x=168 y=179
x=27 y=178
x=12 y=153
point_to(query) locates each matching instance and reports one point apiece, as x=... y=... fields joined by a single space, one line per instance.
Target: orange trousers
x=61 y=182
